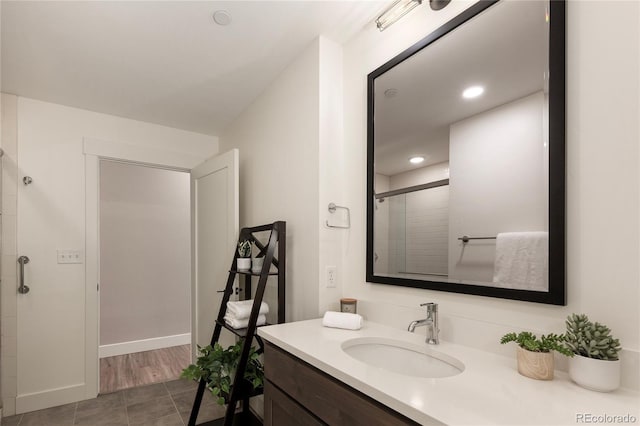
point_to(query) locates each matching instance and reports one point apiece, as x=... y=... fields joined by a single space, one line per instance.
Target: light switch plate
x=70 y=256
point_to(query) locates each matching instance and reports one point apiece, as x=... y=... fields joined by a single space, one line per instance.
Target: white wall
x=602 y=185
x=50 y=147
x=419 y=176
x=145 y=262
x=509 y=196
x=278 y=141
x=330 y=171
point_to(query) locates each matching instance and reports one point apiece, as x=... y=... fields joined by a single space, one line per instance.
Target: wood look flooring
x=143 y=368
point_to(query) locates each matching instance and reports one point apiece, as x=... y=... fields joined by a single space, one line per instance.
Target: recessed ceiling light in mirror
x=390 y=93
x=472 y=92
x=416 y=160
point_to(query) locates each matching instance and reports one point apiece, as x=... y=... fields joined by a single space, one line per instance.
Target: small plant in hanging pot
x=596 y=365
x=217 y=366
x=534 y=355
x=244 y=255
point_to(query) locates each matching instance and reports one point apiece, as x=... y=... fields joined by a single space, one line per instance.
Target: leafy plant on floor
x=217 y=366
x=546 y=343
x=591 y=340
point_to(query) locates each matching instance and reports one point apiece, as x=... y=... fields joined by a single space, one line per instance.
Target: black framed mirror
x=466 y=157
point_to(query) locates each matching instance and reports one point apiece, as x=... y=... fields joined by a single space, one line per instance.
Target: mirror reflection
x=461 y=155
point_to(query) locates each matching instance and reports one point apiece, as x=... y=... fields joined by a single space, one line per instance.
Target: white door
x=214 y=231
x=57 y=320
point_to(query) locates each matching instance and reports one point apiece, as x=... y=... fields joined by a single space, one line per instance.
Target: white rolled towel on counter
x=244 y=322
x=342 y=320
x=242 y=309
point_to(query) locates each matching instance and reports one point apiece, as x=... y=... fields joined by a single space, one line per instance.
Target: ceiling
x=504 y=49
x=163 y=62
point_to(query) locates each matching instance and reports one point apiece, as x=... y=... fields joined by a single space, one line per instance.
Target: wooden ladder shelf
x=276 y=242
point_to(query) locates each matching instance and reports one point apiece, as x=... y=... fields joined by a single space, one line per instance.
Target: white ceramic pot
x=595 y=374
x=244 y=263
x=536 y=365
x=256 y=264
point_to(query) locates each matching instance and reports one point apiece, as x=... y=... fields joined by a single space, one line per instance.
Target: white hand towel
x=522 y=261
x=342 y=320
x=242 y=309
x=243 y=323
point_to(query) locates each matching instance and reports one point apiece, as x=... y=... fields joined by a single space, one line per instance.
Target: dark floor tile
x=12 y=420
x=184 y=400
x=100 y=404
x=56 y=416
x=114 y=416
x=150 y=410
x=172 y=420
x=207 y=413
x=145 y=393
x=181 y=385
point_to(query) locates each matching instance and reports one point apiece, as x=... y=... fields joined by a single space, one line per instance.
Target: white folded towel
x=242 y=309
x=243 y=323
x=342 y=320
x=522 y=261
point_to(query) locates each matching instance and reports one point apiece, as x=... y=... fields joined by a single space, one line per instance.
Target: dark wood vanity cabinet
x=297 y=393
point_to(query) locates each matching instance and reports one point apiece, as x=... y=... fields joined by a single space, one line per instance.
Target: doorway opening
x=144 y=270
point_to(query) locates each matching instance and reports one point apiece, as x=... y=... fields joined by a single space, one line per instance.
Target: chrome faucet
x=431 y=321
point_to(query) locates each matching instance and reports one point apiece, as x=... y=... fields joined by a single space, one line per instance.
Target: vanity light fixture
x=416 y=160
x=393 y=13
x=472 y=92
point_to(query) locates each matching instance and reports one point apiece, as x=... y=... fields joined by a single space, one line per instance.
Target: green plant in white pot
x=596 y=365
x=244 y=255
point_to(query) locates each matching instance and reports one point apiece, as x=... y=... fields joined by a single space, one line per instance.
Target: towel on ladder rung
x=242 y=309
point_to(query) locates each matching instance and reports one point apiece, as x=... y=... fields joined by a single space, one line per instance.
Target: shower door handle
x=23 y=289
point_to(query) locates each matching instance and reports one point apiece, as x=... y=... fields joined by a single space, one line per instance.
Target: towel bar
x=465 y=238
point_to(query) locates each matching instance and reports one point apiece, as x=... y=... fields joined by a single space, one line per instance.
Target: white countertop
x=489 y=391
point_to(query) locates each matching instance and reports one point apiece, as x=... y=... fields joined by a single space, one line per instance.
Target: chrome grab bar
x=23 y=289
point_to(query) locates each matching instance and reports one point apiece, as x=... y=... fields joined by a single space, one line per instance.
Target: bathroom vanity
x=314 y=378
x=298 y=393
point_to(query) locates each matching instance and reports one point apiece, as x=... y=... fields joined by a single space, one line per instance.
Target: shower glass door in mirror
x=466 y=157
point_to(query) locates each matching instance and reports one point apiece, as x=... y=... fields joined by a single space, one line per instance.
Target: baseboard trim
x=50 y=398
x=144 y=345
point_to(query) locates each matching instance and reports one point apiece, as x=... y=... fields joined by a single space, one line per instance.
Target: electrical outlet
x=332 y=276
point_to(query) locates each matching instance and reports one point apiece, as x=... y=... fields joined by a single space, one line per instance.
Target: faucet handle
x=431 y=307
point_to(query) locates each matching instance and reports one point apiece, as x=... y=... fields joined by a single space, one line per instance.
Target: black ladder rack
x=276 y=242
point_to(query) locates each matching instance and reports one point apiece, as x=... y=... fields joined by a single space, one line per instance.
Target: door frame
x=96 y=150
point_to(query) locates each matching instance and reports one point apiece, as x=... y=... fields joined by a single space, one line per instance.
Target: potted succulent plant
x=244 y=255
x=534 y=355
x=256 y=264
x=596 y=366
x=217 y=366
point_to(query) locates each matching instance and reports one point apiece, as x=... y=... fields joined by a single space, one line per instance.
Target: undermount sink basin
x=402 y=357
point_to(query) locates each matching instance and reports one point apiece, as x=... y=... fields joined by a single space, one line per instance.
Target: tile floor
x=160 y=404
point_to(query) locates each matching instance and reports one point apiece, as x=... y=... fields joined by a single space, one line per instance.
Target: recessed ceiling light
x=222 y=17
x=416 y=160
x=472 y=92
